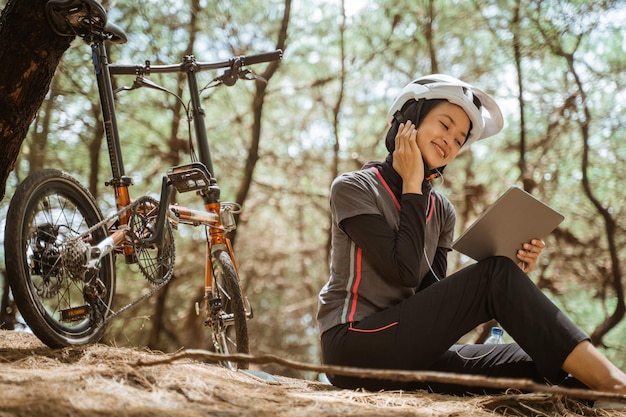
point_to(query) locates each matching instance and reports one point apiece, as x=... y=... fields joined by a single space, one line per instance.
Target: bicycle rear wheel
x=229 y=326
x=63 y=302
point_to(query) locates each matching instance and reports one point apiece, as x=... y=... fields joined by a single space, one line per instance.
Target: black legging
x=432 y=320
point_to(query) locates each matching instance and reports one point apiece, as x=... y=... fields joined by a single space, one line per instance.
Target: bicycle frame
x=216 y=218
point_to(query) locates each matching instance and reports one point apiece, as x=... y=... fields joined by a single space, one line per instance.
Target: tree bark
x=33 y=51
x=517 y=53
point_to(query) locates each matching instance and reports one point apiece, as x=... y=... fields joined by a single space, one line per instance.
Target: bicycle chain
x=166 y=280
x=108 y=219
x=114 y=314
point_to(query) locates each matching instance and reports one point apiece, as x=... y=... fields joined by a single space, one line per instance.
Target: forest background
x=558 y=69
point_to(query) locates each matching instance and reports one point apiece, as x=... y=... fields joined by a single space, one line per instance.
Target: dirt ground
x=101 y=380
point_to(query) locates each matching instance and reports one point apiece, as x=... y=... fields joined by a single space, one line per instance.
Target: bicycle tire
x=232 y=305
x=49 y=208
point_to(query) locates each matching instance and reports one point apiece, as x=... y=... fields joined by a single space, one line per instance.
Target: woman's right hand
x=407 y=159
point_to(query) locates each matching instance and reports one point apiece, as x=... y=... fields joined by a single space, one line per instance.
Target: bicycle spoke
x=48 y=215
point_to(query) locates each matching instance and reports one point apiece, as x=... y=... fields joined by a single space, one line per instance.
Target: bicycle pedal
x=74 y=314
x=189 y=177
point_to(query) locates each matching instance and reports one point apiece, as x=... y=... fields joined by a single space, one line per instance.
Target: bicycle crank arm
x=159 y=234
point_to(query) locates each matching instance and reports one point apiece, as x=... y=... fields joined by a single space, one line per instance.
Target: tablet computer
x=515 y=218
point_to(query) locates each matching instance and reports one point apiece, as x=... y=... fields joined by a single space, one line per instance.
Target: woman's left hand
x=529 y=253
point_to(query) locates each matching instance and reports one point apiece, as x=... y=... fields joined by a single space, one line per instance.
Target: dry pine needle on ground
x=99 y=381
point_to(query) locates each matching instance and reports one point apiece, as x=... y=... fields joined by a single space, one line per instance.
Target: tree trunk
x=36 y=156
x=432 y=48
x=336 y=114
x=33 y=51
x=257 y=111
x=517 y=53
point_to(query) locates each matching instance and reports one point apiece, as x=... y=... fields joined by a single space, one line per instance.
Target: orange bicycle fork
x=216 y=240
x=217 y=222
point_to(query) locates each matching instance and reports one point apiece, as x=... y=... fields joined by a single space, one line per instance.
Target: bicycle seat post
x=189 y=65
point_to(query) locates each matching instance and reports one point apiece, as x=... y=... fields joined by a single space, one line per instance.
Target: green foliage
x=587 y=306
x=340 y=70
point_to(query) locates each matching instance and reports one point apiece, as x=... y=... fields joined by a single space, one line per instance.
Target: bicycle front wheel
x=63 y=302
x=229 y=326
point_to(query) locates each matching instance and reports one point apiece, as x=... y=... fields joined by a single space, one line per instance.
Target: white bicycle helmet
x=481 y=109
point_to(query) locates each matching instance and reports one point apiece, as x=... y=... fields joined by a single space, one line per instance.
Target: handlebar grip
x=264 y=57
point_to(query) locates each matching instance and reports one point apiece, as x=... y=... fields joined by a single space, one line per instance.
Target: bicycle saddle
x=83 y=18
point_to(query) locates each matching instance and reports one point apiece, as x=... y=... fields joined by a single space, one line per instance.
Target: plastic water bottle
x=496 y=336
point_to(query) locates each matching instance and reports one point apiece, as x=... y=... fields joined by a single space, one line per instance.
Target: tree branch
x=396 y=375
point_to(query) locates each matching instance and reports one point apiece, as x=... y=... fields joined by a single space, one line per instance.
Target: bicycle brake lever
x=124 y=88
x=143 y=82
x=136 y=84
x=250 y=76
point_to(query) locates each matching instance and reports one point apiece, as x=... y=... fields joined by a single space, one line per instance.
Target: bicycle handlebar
x=147 y=68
